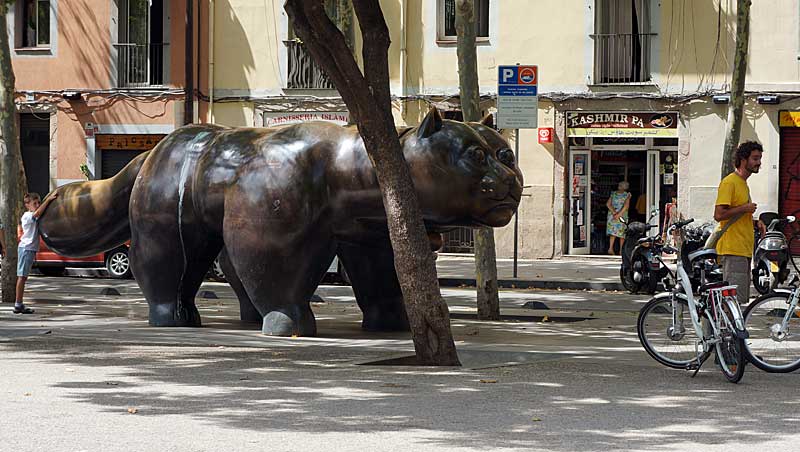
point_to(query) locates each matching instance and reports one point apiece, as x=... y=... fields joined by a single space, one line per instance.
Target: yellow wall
x=693 y=53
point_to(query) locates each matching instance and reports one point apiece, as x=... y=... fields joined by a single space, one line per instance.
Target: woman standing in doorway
x=617 y=204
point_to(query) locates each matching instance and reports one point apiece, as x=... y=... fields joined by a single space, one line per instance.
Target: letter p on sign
x=509 y=75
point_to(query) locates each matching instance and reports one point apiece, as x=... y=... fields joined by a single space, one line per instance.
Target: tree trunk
x=485 y=255
x=367 y=96
x=736 y=107
x=12 y=176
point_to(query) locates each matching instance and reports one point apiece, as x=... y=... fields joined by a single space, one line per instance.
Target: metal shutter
x=789 y=185
x=114 y=160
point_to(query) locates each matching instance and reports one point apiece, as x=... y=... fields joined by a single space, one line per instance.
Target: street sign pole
x=516 y=214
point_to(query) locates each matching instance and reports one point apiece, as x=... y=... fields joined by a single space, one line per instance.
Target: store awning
x=622 y=124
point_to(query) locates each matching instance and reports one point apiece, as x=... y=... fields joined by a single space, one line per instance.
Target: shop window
x=446 y=20
x=623 y=40
x=33 y=24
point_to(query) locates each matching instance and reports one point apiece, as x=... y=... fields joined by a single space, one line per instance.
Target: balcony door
x=141 y=43
x=622 y=41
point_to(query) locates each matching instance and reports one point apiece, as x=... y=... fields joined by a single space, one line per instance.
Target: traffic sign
x=517 y=97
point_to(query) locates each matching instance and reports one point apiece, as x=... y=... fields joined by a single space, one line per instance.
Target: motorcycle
x=642 y=267
x=698 y=261
x=771 y=257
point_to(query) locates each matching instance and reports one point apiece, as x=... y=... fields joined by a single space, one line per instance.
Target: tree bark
x=736 y=106
x=367 y=96
x=12 y=175
x=485 y=254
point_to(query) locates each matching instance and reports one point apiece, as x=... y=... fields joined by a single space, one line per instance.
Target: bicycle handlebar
x=683 y=223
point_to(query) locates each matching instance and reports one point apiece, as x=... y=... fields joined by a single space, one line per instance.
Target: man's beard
x=753 y=169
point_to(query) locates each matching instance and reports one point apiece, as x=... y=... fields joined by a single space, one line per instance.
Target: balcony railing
x=622 y=57
x=303 y=72
x=140 y=65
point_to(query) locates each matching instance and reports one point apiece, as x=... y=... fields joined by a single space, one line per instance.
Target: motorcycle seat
x=713 y=285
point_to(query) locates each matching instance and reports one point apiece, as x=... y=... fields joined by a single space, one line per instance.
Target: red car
x=116 y=261
x=50 y=263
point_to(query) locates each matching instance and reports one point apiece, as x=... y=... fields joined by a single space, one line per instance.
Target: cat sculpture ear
x=488 y=121
x=431 y=124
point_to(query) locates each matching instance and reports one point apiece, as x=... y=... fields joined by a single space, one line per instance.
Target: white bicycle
x=683 y=341
x=773 y=321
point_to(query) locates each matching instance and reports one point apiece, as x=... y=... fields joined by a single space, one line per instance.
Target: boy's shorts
x=25 y=262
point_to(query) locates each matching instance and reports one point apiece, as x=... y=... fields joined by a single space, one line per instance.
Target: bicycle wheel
x=671 y=348
x=768 y=347
x=730 y=351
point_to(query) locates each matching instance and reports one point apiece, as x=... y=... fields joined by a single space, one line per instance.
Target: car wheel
x=216 y=271
x=52 y=271
x=118 y=264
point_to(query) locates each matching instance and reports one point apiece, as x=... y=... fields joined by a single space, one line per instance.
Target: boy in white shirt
x=28 y=245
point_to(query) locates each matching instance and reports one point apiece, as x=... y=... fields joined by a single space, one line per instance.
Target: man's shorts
x=25 y=262
x=736 y=270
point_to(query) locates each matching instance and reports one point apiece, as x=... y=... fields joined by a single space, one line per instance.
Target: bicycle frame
x=714 y=311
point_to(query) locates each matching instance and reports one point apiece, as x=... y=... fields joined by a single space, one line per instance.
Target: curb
x=529 y=284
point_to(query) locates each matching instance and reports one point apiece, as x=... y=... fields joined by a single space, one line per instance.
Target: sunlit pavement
x=86 y=372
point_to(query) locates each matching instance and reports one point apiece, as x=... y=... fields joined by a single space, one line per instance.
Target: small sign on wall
x=545 y=135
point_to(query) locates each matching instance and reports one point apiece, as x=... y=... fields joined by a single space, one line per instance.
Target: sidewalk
x=567 y=273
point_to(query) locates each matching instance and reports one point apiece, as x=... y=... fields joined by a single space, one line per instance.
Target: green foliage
x=85 y=171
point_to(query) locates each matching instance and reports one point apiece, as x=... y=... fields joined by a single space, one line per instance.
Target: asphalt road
x=86 y=373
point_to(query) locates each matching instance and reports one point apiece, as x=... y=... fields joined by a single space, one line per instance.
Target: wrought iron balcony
x=622 y=57
x=303 y=72
x=140 y=65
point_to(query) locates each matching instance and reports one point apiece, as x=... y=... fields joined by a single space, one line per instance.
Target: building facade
x=98 y=82
x=632 y=91
x=628 y=90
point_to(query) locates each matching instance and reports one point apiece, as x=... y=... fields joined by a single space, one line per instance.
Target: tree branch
x=314 y=27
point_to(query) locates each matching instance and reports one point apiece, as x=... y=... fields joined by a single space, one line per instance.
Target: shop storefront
x=789 y=168
x=606 y=148
x=117 y=150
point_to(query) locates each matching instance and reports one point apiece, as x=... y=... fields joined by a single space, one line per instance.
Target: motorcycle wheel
x=649 y=280
x=761 y=270
x=626 y=276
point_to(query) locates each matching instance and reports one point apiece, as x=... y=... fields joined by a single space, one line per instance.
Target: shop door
x=653 y=184
x=35 y=149
x=579 y=202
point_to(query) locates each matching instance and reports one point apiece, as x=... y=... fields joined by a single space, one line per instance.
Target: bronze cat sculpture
x=280 y=203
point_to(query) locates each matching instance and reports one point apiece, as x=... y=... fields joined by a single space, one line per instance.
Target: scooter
x=771 y=257
x=700 y=262
x=642 y=267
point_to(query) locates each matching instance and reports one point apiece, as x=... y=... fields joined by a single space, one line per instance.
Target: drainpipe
x=188 y=107
x=211 y=61
x=403 y=52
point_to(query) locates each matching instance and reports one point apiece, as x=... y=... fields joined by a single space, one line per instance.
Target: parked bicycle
x=773 y=321
x=679 y=342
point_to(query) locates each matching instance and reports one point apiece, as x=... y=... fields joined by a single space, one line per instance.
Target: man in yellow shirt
x=735 y=247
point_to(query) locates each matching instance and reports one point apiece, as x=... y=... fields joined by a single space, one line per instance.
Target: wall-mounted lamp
x=721 y=98
x=768 y=99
